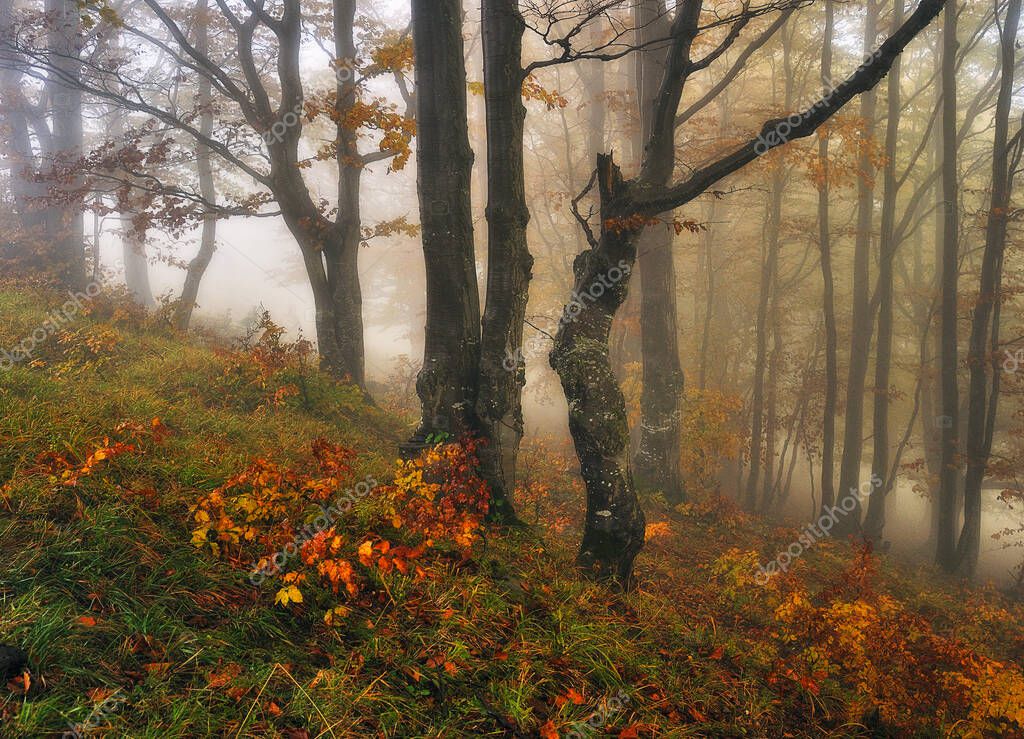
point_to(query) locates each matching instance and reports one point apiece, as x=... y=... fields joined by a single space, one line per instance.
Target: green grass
x=100 y=584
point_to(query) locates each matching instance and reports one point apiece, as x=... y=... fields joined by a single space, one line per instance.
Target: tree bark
x=509 y=263
x=447 y=384
x=949 y=472
x=983 y=358
x=860 y=338
x=874 y=522
x=657 y=461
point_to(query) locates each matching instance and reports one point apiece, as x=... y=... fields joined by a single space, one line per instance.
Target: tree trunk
x=509 y=263
x=769 y=264
x=860 y=338
x=207 y=187
x=658 y=457
x=949 y=472
x=66 y=226
x=136 y=264
x=614 y=528
x=984 y=401
x=828 y=490
x=874 y=522
x=447 y=384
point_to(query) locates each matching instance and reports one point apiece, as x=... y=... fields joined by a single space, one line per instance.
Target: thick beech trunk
x=447 y=384
x=509 y=263
x=658 y=457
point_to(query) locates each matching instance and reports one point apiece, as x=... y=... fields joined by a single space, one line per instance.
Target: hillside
x=145 y=476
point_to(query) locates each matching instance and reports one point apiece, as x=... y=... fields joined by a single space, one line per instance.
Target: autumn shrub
x=709 y=437
x=892 y=661
x=289 y=524
x=263 y=369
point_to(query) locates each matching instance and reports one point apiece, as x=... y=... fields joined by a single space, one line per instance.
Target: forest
x=511 y=368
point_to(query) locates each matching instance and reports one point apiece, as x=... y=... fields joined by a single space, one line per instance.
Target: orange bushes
x=893 y=659
x=277 y=520
x=439 y=495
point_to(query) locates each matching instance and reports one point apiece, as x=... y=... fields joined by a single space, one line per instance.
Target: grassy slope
x=100 y=584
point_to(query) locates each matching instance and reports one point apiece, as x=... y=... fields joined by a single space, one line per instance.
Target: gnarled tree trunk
x=614 y=529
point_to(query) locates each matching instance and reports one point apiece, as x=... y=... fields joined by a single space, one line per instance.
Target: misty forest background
x=650 y=288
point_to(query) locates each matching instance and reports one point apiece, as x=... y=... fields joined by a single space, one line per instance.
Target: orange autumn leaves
x=436 y=502
x=850 y=639
x=128 y=438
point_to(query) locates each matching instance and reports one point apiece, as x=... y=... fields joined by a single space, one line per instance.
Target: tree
x=47 y=182
x=860 y=335
x=447 y=384
x=983 y=357
x=828 y=491
x=657 y=458
x=875 y=519
x=207 y=186
x=614 y=527
x=949 y=421
x=275 y=114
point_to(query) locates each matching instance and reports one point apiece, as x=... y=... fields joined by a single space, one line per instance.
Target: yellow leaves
x=393 y=57
x=533 y=90
x=385 y=229
x=998 y=694
x=288 y=594
x=200 y=536
x=336 y=615
x=365 y=552
x=710 y=435
x=397 y=131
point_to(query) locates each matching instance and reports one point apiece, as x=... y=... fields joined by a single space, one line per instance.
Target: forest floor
x=126 y=546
